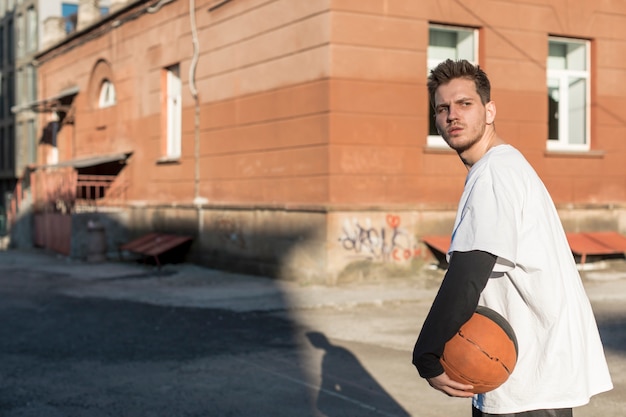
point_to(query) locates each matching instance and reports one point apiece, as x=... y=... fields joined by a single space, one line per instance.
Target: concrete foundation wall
x=278 y=243
x=306 y=245
x=593 y=219
x=114 y=223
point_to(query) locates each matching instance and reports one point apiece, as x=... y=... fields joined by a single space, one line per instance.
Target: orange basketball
x=483 y=353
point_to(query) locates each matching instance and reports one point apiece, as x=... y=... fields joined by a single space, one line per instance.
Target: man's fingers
x=459 y=386
x=450 y=387
x=453 y=392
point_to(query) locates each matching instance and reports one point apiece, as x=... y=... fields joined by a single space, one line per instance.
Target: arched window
x=107 y=94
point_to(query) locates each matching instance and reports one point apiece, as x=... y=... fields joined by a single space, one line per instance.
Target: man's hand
x=449 y=387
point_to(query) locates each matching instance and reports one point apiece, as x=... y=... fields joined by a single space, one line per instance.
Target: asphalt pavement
x=327 y=351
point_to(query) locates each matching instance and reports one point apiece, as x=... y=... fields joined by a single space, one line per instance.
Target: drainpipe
x=198 y=201
x=155 y=8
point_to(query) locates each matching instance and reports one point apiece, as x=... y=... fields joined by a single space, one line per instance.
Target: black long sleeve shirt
x=456 y=301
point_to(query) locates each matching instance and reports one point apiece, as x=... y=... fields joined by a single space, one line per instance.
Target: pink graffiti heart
x=393 y=221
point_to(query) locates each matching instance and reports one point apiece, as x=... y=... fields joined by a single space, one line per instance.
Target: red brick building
x=292 y=137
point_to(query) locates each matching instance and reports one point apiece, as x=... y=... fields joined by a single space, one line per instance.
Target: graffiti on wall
x=229 y=232
x=388 y=242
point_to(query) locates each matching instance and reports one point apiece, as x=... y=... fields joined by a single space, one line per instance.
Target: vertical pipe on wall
x=194 y=92
x=197 y=200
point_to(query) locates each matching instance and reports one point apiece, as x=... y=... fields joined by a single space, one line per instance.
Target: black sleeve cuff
x=454 y=304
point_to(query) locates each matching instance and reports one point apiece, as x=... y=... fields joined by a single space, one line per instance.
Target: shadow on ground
x=345 y=380
x=67 y=356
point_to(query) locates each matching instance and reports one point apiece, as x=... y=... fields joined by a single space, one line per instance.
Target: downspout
x=158 y=5
x=198 y=201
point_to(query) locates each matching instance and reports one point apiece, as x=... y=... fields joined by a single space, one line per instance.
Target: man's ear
x=490 y=114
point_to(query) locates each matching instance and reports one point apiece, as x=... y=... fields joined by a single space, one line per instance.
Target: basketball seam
x=493 y=358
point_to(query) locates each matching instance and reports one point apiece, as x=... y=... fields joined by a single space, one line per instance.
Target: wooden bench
x=154 y=244
x=596 y=243
x=438 y=246
x=582 y=244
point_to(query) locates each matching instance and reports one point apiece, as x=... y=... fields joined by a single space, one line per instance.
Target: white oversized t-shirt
x=506 y=210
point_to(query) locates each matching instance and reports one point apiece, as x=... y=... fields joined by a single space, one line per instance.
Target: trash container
x=96 y=245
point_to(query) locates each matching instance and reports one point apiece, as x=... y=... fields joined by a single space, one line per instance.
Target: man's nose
x=452 y=113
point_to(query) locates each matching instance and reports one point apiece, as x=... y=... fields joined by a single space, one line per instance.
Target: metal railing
x=95 y=189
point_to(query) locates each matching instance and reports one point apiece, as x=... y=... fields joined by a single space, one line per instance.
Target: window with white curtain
x=173 y=110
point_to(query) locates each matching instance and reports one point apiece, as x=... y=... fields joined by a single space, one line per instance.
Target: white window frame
x=173 y=112
x=563 y=77
x=107 y=97
x=471 y=54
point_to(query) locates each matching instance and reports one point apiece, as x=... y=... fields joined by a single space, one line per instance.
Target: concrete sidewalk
x=355 y=311
x=188 y=285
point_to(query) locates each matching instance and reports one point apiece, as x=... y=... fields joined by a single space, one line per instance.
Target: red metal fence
x=53 y=231
x=56 y=193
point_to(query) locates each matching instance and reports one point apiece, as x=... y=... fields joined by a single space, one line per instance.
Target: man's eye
x=442 y=110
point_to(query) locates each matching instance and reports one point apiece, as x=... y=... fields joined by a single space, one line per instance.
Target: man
x=509 y=253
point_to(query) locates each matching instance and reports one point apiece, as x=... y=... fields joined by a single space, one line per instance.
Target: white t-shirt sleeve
x=488 y=219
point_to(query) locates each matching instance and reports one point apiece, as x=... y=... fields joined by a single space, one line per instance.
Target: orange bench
x=581 y=244
x=154 y=244
x=596 y=243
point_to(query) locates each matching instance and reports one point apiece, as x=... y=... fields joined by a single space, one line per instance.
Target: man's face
x=460 y=116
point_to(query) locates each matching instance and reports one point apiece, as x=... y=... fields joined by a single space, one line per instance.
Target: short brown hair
x=448 y=70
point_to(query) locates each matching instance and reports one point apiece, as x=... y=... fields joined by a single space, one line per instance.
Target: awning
x=59 y=102
x=89 y=161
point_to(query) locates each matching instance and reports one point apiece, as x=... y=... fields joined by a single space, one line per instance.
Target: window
x=20 y=34
x=20 y=98
x=10 y=138
x=107 y=96
x=10 y=89
x=10 y=58
x=1 y=45
x=69 y=13
x=568 y=94
x=20 y=145
x=32 y=142
x=173 y=112
x=4 y=151
x=3 y=89
x=31 y=35
x=31 y=83
x=448 y=42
